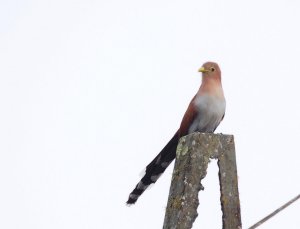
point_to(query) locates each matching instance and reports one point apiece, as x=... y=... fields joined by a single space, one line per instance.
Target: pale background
x=90 y=92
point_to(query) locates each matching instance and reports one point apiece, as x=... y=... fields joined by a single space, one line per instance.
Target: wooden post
x=193 y=154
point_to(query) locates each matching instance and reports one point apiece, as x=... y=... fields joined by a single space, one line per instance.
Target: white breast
x=210 y=113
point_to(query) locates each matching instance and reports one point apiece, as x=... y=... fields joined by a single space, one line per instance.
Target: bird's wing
x=188 y=118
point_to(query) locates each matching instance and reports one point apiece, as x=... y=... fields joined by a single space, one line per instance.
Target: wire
x=274 y=212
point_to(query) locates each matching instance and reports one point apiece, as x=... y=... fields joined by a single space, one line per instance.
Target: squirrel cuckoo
x=204 y=114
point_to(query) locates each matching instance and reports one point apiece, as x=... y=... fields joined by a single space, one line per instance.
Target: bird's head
x=210 y=70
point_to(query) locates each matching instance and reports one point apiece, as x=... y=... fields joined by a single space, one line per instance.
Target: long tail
x=154 y=170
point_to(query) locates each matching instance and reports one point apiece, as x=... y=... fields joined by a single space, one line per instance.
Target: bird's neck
x=212 y=87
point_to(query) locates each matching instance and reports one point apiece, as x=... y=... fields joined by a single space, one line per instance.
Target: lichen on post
x=194 y=152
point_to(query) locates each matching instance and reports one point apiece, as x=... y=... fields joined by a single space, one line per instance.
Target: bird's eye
x=212 y=69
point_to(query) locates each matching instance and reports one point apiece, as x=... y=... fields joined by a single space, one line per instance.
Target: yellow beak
x=202 y=69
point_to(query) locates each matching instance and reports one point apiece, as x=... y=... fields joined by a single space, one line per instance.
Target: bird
x=204 y=114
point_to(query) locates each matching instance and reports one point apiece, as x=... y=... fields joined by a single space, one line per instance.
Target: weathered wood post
x=193 y=154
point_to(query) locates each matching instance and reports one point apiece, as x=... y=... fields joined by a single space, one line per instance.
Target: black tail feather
x=156 y=167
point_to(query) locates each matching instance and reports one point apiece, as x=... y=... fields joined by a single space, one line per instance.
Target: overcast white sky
x=90 y=91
